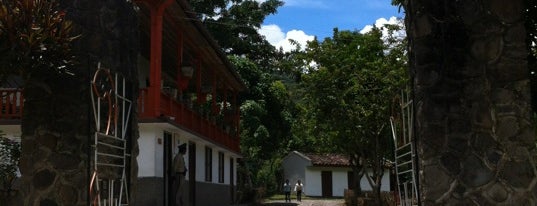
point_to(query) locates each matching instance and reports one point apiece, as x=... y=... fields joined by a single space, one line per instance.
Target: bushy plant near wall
x=10 y=151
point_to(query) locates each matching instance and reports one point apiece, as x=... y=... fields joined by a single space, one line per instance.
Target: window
x=220 y=167
x=208 y=164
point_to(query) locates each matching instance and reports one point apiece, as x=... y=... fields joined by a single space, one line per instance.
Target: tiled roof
x=336 y=160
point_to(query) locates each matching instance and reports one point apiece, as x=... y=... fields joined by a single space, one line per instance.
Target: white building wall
x=227 y=165
x=312 y=183
x=151 y=159
x=200 y=162
x=314 y=187
x=339 y=181
x=294 y=166
x=158 y=142
x=146 y=157
x=214 y=166
x=364 y=184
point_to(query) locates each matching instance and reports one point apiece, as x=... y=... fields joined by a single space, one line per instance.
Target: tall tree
x=347 y=98
x=265 y=123
x=234 y=25
x=473 y=121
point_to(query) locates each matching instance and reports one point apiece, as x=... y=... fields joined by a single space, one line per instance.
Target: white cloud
x=379 y=23
x=272 y=33
x=278 y=38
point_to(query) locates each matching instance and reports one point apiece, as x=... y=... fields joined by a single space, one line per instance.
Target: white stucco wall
x=364 y=184
x=313 y=185
x=151 y=158
x=294 y=166
x=200 y=162
x=147 y=154
x=339 y=181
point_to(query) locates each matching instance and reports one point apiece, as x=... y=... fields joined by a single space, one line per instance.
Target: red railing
x=11 y=107
x=189 y=119
x=11 y=103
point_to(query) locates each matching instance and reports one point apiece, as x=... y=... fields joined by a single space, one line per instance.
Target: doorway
x=232 y=178
x=168 y=169
x=192 y=173
x=326 y=183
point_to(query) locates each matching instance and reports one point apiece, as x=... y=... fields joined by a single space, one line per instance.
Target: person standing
x=298 y=189
x=287 y=190
x=180 y=170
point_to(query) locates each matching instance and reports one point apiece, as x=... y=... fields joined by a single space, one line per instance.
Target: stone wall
x=474 y=127
x=57 y=123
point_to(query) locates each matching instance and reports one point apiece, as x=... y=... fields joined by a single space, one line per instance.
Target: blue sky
x=303 y=19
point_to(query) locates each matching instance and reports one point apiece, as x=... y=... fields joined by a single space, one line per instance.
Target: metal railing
x=405 y=153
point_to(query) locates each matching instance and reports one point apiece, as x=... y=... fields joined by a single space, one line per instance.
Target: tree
x=34 y=36
x=234 y=25
x=38 y=42
x=347 y=98
x=265 y=123
x=476 y=139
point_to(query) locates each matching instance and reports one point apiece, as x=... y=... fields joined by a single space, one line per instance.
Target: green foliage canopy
x=349 y=91
x=34 y=37
x=234 y=24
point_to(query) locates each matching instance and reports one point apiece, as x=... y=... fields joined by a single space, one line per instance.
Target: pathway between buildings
x=309 y=202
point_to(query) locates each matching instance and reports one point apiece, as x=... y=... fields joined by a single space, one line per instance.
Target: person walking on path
x=287 y=190
x=298 y=189
x=180 y=170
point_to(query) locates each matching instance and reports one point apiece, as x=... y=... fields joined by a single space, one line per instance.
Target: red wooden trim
x=179 y=80
x=237 y=113
x=199 y=98
x=157 y=11
x=225 y=102
x=213 y=94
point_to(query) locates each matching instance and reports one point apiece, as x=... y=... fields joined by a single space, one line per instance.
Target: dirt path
x=331 y=202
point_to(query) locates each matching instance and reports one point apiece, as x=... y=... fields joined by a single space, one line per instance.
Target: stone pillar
x=476 y=139
x=57 y=123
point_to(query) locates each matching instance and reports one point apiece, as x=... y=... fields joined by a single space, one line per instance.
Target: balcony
x=222 y=131
x=11 y=104
x=179 y=112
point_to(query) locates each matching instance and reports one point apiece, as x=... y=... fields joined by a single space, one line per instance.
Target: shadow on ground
x=279 y=204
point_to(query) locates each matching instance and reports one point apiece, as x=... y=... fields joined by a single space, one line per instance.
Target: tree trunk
x=474 y=127
x=57 y=124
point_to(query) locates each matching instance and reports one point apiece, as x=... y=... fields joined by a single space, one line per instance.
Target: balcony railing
x=11 y=103
x=185 y=116
x=11 y=107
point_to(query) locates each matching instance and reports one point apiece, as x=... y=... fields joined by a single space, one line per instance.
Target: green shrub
x=10 y=152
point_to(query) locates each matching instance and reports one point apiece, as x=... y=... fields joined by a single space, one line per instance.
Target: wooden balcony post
x=198 y=80
x=236 y=120
x=213 y=94
x=157 y=9
x=179 y=78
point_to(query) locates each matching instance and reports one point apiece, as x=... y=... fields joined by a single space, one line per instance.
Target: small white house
x=326 y=175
